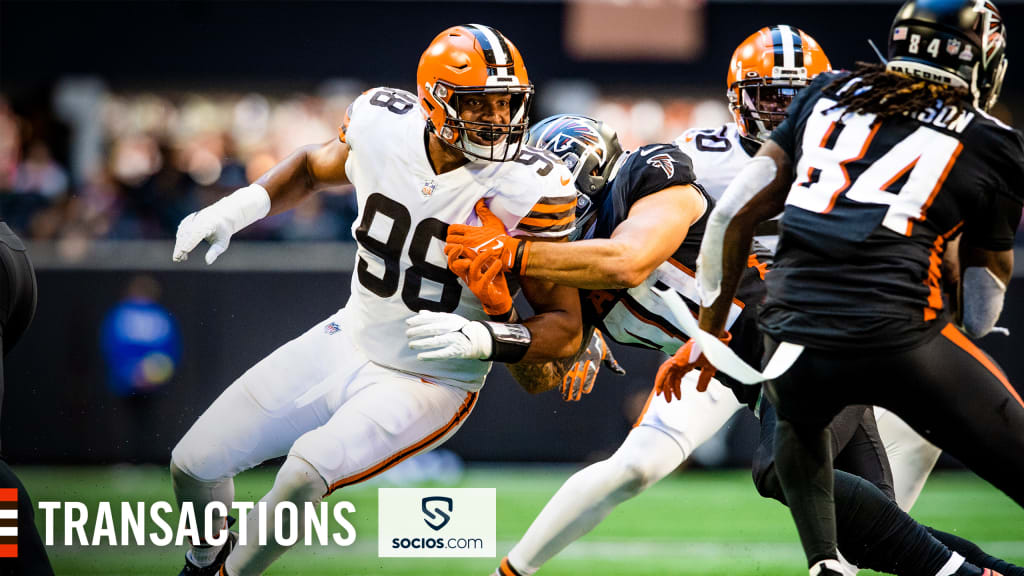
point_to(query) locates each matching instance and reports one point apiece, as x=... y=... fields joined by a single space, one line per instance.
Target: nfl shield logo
x=428 y=189
x=332 y=328
x=953 y=46
x=900 y=33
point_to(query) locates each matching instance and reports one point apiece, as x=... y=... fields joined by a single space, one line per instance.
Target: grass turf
x=689 y=524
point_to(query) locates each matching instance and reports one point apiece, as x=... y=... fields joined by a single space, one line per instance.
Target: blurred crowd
x=162 y=157
x=132 y=165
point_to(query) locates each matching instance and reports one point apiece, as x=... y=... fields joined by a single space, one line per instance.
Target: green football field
x=691 y=523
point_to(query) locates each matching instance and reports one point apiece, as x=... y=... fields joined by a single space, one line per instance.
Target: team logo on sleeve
x=663 y=161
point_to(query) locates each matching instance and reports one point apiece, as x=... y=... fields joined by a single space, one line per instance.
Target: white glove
x=448 y=336
x=219 y=221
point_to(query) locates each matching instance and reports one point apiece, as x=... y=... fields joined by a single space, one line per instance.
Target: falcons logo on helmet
x=665 y=162
x=570 y=131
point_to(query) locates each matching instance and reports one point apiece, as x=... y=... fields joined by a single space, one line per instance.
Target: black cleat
x=213 y=569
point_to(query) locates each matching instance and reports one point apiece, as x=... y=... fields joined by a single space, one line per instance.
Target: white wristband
x=245 y=206
x=982 y=297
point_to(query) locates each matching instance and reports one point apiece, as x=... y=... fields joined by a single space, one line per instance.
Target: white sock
x=203 y=555
x=200 y=493
x=646 y=456
x=952 y=565
x=297 y=481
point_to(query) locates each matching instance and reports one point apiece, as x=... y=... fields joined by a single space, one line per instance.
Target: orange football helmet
x=474 y=59
x=766 y=71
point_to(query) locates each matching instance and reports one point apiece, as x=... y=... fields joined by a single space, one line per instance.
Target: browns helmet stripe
x=496 y=51
x=798 y=46
x=504 y=48
x=777 y=46
x=787 y=45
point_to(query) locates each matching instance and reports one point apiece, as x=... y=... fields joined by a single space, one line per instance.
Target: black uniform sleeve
x=651 y=169
x=785 y=134
x=993 y=225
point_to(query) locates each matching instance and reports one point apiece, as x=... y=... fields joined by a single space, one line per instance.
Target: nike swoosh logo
x=565 y=181
x=498 y=245
x=649 y=151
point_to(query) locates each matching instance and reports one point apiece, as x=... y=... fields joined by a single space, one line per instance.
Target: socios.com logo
x=421 y=522
x=436 y=516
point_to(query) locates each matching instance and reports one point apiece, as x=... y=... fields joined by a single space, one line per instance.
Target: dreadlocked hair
x=886 y=94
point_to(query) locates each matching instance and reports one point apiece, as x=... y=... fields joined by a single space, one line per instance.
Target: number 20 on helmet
x=468 y=60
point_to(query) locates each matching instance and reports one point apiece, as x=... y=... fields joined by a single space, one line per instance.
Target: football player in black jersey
x=876 y=171
x=647 y=203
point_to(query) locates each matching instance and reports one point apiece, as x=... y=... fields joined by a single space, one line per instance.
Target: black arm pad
x=511 y=341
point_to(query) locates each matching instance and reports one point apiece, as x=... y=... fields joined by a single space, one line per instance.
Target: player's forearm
x=735 y=252
x=589 y=264
x=290 y=181
x=537 y=377
x=555 y=335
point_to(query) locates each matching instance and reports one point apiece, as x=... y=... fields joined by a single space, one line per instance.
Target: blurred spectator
x=140 y=339
x=10 y=145
x=40 y=174
x=96 y=211
x=40 y=186
x=141 y=346
x=166 y=196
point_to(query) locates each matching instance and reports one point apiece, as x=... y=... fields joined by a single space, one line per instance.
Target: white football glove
x=448 y=336
x=219 y=221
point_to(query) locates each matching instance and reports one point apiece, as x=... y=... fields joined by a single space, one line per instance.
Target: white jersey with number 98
x=404 y=212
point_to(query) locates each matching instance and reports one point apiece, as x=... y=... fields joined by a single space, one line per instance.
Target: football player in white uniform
x=347 y=399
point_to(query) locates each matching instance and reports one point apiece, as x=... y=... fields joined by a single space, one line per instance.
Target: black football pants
x=871 y=529
x=946 y=389
x=17 y=307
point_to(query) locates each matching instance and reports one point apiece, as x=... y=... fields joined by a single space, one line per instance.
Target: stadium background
x=118 y=118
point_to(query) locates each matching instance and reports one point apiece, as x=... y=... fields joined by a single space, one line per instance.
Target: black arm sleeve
x=993 y=225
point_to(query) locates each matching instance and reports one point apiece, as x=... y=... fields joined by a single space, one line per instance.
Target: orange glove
x=485 y=277
x=689 y=357
x=489 y=238
x=579 y=380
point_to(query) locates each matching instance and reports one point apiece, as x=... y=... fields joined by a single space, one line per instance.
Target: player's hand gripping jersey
x=637 y=316
x=870 y=212
x=404 y=213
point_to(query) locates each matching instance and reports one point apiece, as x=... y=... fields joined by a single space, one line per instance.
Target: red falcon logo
x=663 y=161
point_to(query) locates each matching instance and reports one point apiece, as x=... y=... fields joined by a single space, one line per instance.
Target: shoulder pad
x=376 y=105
